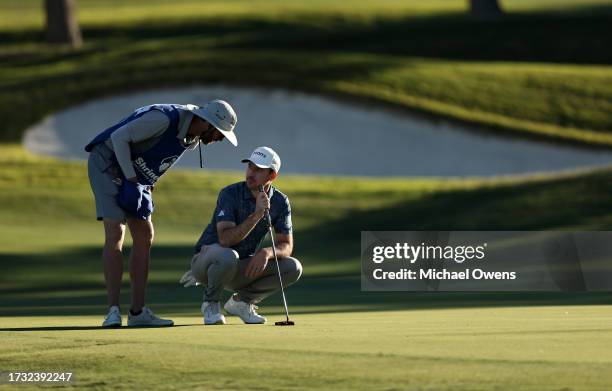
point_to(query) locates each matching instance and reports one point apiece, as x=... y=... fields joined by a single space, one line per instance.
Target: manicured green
x=519 y=348
x=542 y=71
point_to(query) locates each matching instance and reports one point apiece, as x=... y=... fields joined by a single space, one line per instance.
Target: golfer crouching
x=227 y=254
x=125 y=161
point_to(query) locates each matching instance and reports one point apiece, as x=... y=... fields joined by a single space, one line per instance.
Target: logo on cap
x=260 y=154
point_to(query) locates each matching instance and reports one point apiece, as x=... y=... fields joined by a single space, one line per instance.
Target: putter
x=280 y=279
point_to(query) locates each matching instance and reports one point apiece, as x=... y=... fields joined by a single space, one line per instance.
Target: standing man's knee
x=142 y=231
x=114 y=233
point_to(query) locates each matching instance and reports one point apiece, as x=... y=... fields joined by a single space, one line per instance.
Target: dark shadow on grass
x=77 y=328
x=583 y=35
x=577 y=202
x=333 y=294
x=581 y=200
x=533 y=37
x=561 y=203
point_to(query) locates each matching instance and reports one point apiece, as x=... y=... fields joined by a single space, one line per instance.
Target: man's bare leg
x=114 y=233
x=142 y=238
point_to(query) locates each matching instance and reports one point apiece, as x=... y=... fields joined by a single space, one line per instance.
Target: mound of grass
x=426 y=57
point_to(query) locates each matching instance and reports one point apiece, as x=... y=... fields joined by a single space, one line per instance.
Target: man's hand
x=189 y=279
x=257 y=264
x=262 y=203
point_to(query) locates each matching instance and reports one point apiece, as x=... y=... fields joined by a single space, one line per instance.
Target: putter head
x=285 y=323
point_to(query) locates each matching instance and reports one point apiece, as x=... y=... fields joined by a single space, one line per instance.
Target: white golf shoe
x=113 y=318
x=147 y=319
x=245 y=311
x=212 y=313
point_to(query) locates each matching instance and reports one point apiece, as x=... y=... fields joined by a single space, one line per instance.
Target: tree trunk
x=485 y=9
x=62 y=25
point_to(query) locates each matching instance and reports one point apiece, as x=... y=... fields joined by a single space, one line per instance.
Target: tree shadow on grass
x=46 y=283
x=78 y=328
x=311 y=295
x=534 y=37
x=580 y=37
x=545 y=204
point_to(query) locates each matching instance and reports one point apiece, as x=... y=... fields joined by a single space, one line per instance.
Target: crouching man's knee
x=221 y=259
x=291 y=269
x=225 y=257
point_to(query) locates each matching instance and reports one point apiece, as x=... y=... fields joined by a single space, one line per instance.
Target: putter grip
x=261 y=190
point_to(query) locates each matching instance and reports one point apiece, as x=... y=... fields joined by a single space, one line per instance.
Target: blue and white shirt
x=236 y=203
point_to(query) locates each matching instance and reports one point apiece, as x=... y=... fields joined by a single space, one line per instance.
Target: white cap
x=264 y=157
x=221 y=115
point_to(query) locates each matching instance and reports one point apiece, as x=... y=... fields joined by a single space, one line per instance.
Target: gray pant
x=219 y=267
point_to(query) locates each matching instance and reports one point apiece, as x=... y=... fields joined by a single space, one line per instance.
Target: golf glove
x=189 y=279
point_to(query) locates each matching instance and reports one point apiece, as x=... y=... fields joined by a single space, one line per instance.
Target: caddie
x=125 y=162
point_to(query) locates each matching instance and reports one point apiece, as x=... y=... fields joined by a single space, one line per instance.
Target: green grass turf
x=519 y=348
x=542 y=71
x=52 y=296
x=28 y=14
x=50 y=241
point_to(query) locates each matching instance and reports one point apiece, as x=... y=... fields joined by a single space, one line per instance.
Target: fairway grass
x=517 y=348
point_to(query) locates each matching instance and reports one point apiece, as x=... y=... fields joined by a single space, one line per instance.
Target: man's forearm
x=234 y=235
x=283 y=250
